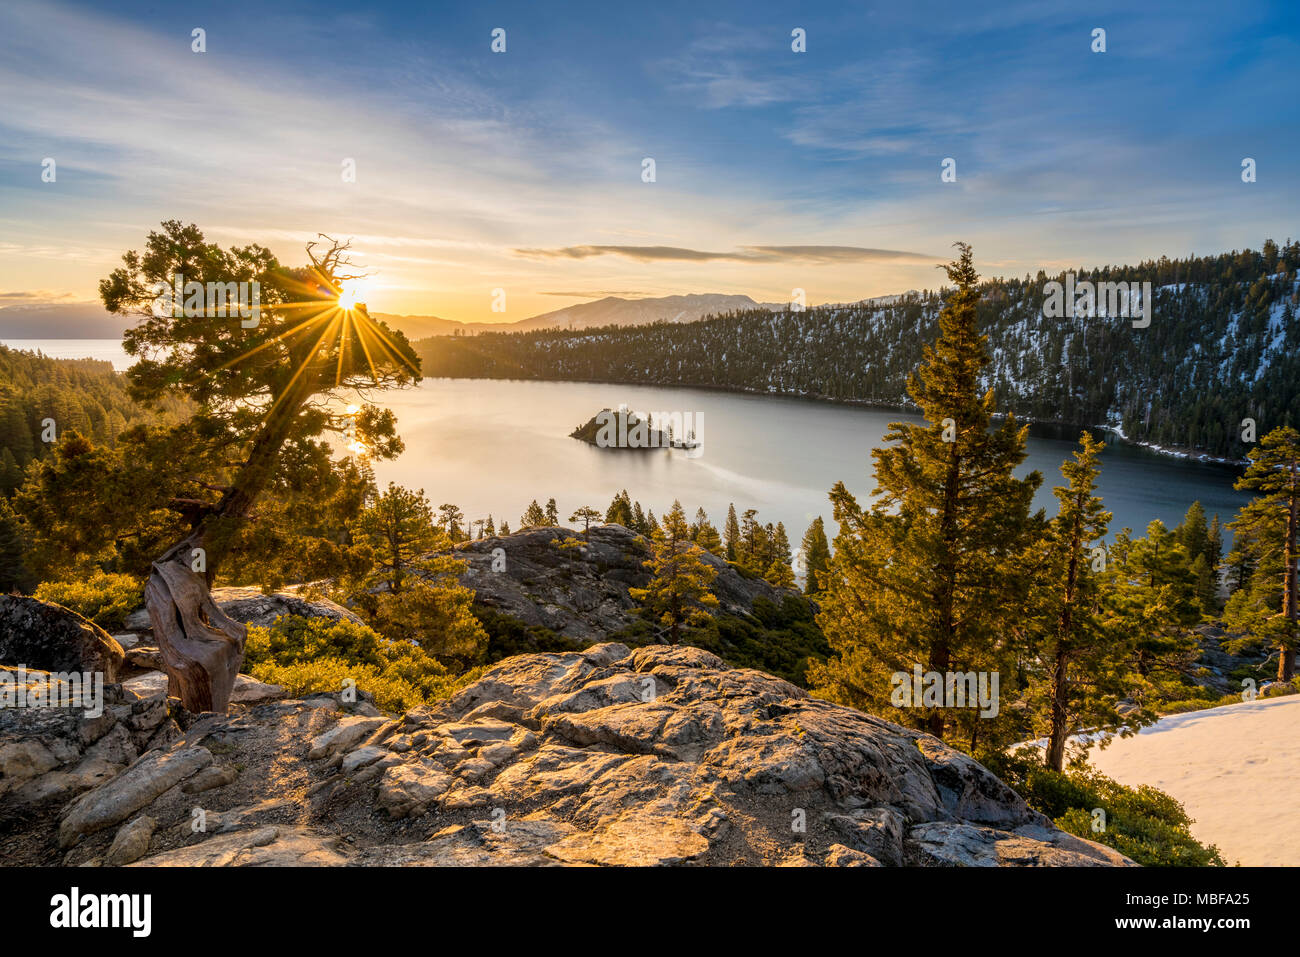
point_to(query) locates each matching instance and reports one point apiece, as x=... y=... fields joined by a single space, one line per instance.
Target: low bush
x=106 y=598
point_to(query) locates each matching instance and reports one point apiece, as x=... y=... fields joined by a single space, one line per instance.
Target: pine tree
x=505 y=527
x=816 y=555
x=552 y=512
x=586 y=515
x=1085 y=667
x=1152 y=602
x=1274 y=473
x=638 y=520
x=400 y=527
x=533 y=517
x=450 y=517
x=14 y=575
x=731 y=534
x=935 y=573
x=705 y=535
x=678 y=592
x=781 y=546
x=11 y=475
x=779 y=575
x=490 y=528
x=620 y=511
x=752 y=543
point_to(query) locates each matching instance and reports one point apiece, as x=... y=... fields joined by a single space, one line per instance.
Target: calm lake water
x=492 y=446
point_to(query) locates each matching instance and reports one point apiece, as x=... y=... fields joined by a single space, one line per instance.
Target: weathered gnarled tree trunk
x=202 y=647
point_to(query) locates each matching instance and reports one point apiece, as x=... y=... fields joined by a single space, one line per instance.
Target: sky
x=522 y=170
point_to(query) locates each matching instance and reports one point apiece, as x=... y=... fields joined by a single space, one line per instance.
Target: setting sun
x=350 y=296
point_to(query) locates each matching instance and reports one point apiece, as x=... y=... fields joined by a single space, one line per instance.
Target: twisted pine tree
x=935 y=571
x=260 y=394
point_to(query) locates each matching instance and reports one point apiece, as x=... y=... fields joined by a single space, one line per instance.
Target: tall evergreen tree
x=679 y=590
x=450 y=518
x=1085 y=668
x=1274 y=473
x=400 y=527
x=935 y=573
x=705 y=535
x=552 y=512
x=620 y=511
x=731 y=533
x=816 y=551
x=533 y=517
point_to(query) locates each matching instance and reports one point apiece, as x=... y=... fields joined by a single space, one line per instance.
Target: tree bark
x=202 y=648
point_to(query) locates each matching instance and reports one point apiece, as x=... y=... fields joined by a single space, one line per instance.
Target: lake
x=492 y=446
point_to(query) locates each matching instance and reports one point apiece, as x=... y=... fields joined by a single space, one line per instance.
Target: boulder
x=49 y=637
x=131 y=791
x=247 y=690
x=251 y=607
x=582 y=592
x=131 y=842
x=51 y=754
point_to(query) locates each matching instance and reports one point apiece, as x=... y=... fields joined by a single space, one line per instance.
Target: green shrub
x=508 y=636
x=1141 y=822
x=106 y=598
x=308 y=655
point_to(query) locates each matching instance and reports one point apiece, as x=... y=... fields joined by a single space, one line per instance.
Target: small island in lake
x=624 y=429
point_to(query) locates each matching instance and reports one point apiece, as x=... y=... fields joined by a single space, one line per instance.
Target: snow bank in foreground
x=1233 y=768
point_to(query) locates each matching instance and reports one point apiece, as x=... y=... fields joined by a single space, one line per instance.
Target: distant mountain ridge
x=609 y=311
x=1221 y=354
x=89 y=320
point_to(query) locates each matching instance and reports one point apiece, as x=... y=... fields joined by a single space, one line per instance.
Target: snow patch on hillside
x=1233 y=768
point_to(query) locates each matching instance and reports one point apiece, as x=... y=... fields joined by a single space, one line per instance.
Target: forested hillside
x=81 y=394
x=1221 y=347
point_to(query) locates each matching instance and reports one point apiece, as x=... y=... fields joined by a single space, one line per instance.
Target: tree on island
x=552 y=512
x=678 y=592
x=934 y=572
x=259 y=391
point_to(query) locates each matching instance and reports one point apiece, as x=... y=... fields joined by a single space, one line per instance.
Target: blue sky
x=522 y=170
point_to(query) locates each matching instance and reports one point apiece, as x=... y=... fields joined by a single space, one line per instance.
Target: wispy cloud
x=746 y=254
x=600 y=294
x=35 y=296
